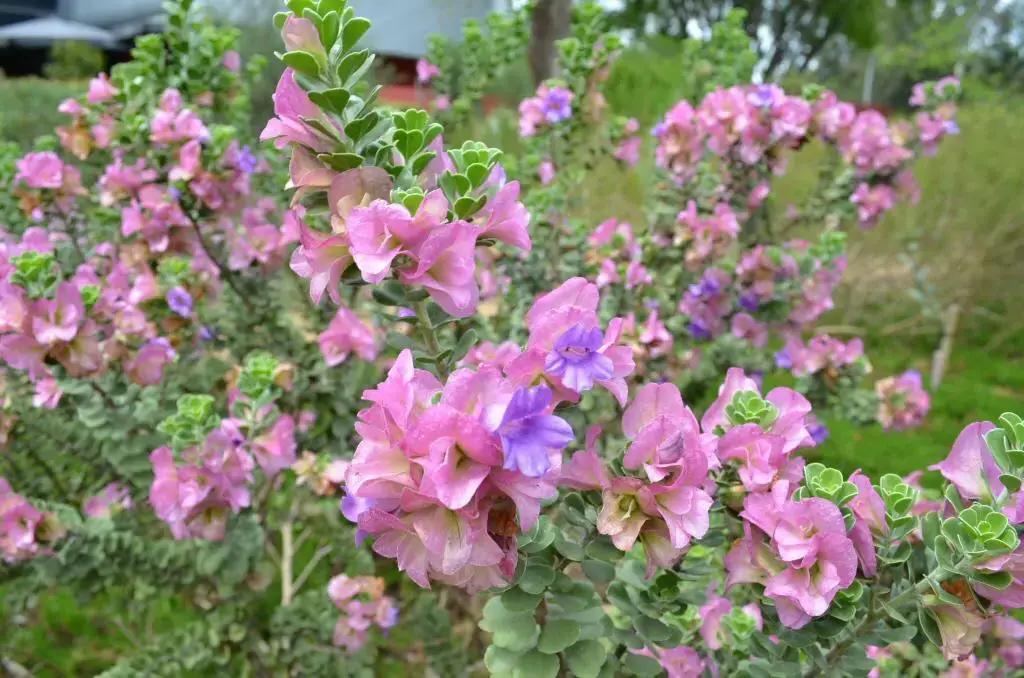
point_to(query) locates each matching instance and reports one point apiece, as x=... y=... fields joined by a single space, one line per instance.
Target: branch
x=320 y=554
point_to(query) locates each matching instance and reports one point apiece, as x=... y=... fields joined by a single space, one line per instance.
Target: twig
x=287 y=553
x=840 y=329
x=940 y=360
x=226 y=274
x=320 y=554
x=125 y=631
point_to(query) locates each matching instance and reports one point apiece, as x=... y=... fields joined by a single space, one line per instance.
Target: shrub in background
x=72 y=60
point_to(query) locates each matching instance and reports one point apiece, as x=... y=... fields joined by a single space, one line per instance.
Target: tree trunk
x=549 y=23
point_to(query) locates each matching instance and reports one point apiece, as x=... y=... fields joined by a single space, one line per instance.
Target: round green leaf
x=536 y=578
x=500 y=660
x=517 y=600
x=537 y=665
x=652 y=629
x=558 y=635
x=641 y=666
x=585 y=658
x=598 y=571
x=517 y=637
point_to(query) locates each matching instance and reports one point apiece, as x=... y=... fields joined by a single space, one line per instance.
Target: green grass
x=28 y=106
x=978 y=386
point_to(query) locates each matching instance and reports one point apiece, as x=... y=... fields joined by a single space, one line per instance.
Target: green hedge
x=28 y=106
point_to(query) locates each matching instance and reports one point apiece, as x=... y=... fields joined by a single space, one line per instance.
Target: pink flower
x=100 y=89
x=970 y=465
x=375 y=233
x=745 y=327
x=291 y=105
x=41 y=170
x=763 y=457
x=811 y=536
x=655 y=335
x=232 y=61
x=790 y=423
x=322 y=259
x=347 y=333
x=446 y=266
x=275 y=449
x=188 y=162
x=665 y=437
x=426 y=71
x=959 y=626
x=546 y=173
x=300 y=35
x=678 y=662
x=58 y=320
x=48 y=393
x=507 y=219
x=903 y=402
x=1012 y=596
x=713 y=611
x=113 y=498
x=147 y=368
x=872 y=202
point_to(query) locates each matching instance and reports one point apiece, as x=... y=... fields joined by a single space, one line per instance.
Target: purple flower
x=749 y=302
x=576 y=360
x=819 y=432
x=179 y=301
x=557 y=105
x=352 y=507
x=174 y=193
x=698 y=331
x=783 y=360
x=952 y=127
x=762 y=96
x=206 y=333
x=528 y=434
x=246 y=161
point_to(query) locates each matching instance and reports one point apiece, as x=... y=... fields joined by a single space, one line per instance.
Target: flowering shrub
x=492 y=457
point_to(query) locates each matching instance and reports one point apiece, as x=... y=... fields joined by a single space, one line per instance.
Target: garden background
x=936 y=282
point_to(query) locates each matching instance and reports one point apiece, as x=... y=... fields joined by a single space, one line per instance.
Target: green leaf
x=640 y=665
x=400 y=341
x=341 y=162
x=517 y=635
x=499 y=660
x=929 y=626
x=354 y=29
x=333 y=100
x=601 y=548
x=652 y=629
x=558 y=635
x=598 y=571
x=571 y=550
x=586 y=658
x=996 y=580
x=633 y=572
x=351 y=65
x=536 y=665
x=517 y=600
x=303 y=62
x=536 y=578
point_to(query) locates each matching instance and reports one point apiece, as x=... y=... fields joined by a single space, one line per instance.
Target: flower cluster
x=205 y=476
x=822 y=353
x=24 y=530
x=552 y=104
x=903 y=402
x=107 y=311
x=364 y=605
x=617 y=248
x=754 y=125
